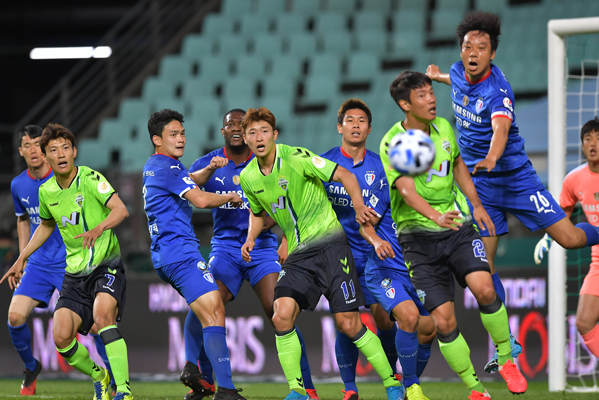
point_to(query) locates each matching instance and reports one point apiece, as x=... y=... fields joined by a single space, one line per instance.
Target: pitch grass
x=82 y=390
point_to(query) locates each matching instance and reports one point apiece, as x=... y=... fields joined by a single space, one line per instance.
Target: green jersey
x=293 y=194
x=76 y=210
x=437 y=186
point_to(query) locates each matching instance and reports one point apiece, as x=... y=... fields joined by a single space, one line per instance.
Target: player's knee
x=15 y=319
x=486 y=294
x=349 y=326
x=282 y=322
x=409 y=322
x=445 y=325
x=104 y=320
x=62 y=338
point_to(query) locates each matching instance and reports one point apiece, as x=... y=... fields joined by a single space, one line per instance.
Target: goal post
x=557 y=32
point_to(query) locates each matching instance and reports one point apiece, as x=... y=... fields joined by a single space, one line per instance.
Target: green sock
x=116 y=350
x=290 y=352
x=370 y=345
x=498 y=327
x=78 y=357
x=457 y=355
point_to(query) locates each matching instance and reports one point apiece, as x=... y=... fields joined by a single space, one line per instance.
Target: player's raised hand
x=541 y=247
x=383 y=249
x=89 y=237
x=449 y=220
x=218 y=162
x=483 y=220
x=484 y=165
x=14 y=274
x=245 y=250
x=364 y=213
x=434 y=72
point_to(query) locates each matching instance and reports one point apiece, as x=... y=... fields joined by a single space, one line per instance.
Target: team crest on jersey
x=283 y=184
x=390 y=293
x=596 y=196
x=79 y=200
x=386 y=283
x=421 y=295
x=507 y=103
x=369 y=176
x=281 y=274
x=202 y=266
x=479 y=105
x=103 y=187
x=208 y=276
x=465 y=101
x=236 y=179
x=446 y=146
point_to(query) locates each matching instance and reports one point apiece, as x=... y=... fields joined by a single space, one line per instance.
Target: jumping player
x=436 y=233
x=493 y=150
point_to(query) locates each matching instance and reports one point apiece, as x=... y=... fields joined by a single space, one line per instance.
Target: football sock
x=101 y=349
x=494 y=318
x=21 y=340
x=370 y=345
x=407 y=349
x=347 y=355
x=290 y=353
x=591 y=231
x=591 y=340
x=306 y=374
x=116 y=350
x=389 y=342
x=78 y=357
x=215 y=344
x=194 y=345
x=498 y=287
x=205 y=366
x=424 y=353
x=457 y=354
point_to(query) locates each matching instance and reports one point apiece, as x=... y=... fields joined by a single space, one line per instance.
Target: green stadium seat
x=175 y=69
x=154 y=88
x=287 y=66
x=250 y=66
x=384 y=6
x=281 y=107
x=196 y=46
x=459 y=5
x=172 y=103
x=409 y=20
x=239 y=87
x=319 y=89
x=362 y=66
x=494 y=6
x=267 y=45
x=270 y=7
x=133 y=154
x=230 y=46
x=197 y=88
x=113 y=130
x=215 y=68
x=406 y=44
x=330 y=22
x=413 y=5
x=306 y=7
x=94 y=152
x=302 y=45
x=251 y=25
x=339 y=43
x=239 y=101
x=236 y=7
x=342 y=6
x=203 y=107
x=290 y=23
x=134 y=109
x=280 y=87
x=444 y=23
x=373 y=41
x=325 y=65
x=216 y=25
x=370 y=20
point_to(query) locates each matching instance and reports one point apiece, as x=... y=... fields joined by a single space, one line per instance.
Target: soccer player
x=354 y=123
x=285 y=182
x=86 y=208
x=493 y=150
x=582 y=185
x=168 y=194
x=436 y=233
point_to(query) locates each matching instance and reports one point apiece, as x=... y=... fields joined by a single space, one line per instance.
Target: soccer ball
x=411 y=153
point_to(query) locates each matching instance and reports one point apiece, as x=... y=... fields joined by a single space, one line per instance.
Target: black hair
x=589 y=126
x=232 y=111
x=353 y=103
x=55 y=131
x=160 y=119
x=33 y=131
x=481 y=21
x=404 y=83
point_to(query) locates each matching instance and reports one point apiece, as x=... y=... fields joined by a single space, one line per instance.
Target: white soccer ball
x=411 y=153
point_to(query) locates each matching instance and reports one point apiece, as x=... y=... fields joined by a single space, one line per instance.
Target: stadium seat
x=267 y=45
x=373 y=41
x=270 y=7
x=384 y=6
x=173 y=104
x=230 y=46
x=413 y=5
x=290 y=23
x=197 y=88
x=408 y=21
x=362 y=66
x=339 y=43
x=406 y=44
x=325 y=65
x=281 y=107
x=239 y=101
x=114 y=131
x=134 y=109
x=342 y=6
x=459 y=5
x=215 y=68
x=370 y=20
x=196 y=46
x=302 y=45
x=235 y=7
x=154 y=88
x=330 y=22
x=251 y=25
x=204 y=107
x=280 y=87
x=250 y=66
x=94 y=152
x=175 y=69
x=444 y=23
x=494 y=6
x=133 y=154
x=215 y=25
x=288 y=66
x=239 y=87
x=306 y=7
x=319 y=89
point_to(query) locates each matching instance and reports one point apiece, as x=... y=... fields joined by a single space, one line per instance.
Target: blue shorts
x=40 y=282
x=229 y=268
x=391 y=286
x=369 y=298
x=519 y=192
x=191 y=278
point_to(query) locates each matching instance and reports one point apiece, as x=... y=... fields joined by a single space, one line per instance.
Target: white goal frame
x=557 y=31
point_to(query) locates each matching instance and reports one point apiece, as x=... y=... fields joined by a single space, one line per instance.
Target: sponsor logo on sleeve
x=103 y=187
x=318 y=162
x=507 y=103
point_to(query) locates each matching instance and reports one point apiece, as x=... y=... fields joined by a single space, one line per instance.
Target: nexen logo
x=73 y=219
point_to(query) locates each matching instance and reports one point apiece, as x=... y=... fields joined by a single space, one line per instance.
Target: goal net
x=573 y=91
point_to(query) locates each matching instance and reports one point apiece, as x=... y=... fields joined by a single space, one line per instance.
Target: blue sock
x=306 y=374
x=498 y=287
x=102 y=352
x=21 y=339
x=347 y=359
x=205 y=365
x=388 y=341
x=194 y=348
x=591 y=231
x=424 y=353
x=215 y=343
x=406 y=344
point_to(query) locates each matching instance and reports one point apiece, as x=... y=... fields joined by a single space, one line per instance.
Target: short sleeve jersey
x=165 y=182
x=367 y=172
x=79 y=209
x=293 y=194
x=24 y=189
x=581 y=185
x=475 y=106
x=230 y=223
x=437 y=186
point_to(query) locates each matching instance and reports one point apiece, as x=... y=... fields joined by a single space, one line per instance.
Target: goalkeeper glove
x=541 y=247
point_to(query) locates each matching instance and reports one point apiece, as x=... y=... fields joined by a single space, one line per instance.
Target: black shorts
x=432 y=258
x=79 y=293
x=322 y=268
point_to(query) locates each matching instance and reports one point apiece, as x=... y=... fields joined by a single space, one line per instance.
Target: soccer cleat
x=350 y=395
x=296 y=396
x=192 y=378
x=191 y=395
x=227 y=394
x=479 y=396
x=516 y=383
x=396 y=392
x=101 y=387
x=30 y=379
x=123 y=396
x=113 y=387
x=312 y=394
x=414 y=392
x=493 y=364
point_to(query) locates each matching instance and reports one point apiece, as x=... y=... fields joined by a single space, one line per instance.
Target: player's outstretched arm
x=464 y=181
x=41 y=234
x=256 y=223
x=23 y=231
x=407 y=188
x=352 y=187
x=434 y=72
x=382 y=247
x=118 y=213
x=501 y=128
x=201 y=176
x=201 y=199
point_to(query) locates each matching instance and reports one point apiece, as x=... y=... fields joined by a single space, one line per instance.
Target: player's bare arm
x=434 y=72
x=118 y=213
x=201 y=199
x=201 y=176
x=352 y=187
x=406 y=187
x=256 y=223
x=23 y=231
x=383 y=248
x=464 y=181
x=268 y=223
x=41 y=234
x=501 y=128
x=283 y=251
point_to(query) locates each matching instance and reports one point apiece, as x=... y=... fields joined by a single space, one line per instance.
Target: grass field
x=81 y=390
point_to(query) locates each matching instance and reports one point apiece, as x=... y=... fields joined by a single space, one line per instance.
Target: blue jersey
x=169 y=214
x=475 y=105
x=230 y=223
x=24 y=189
x=368 y=172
